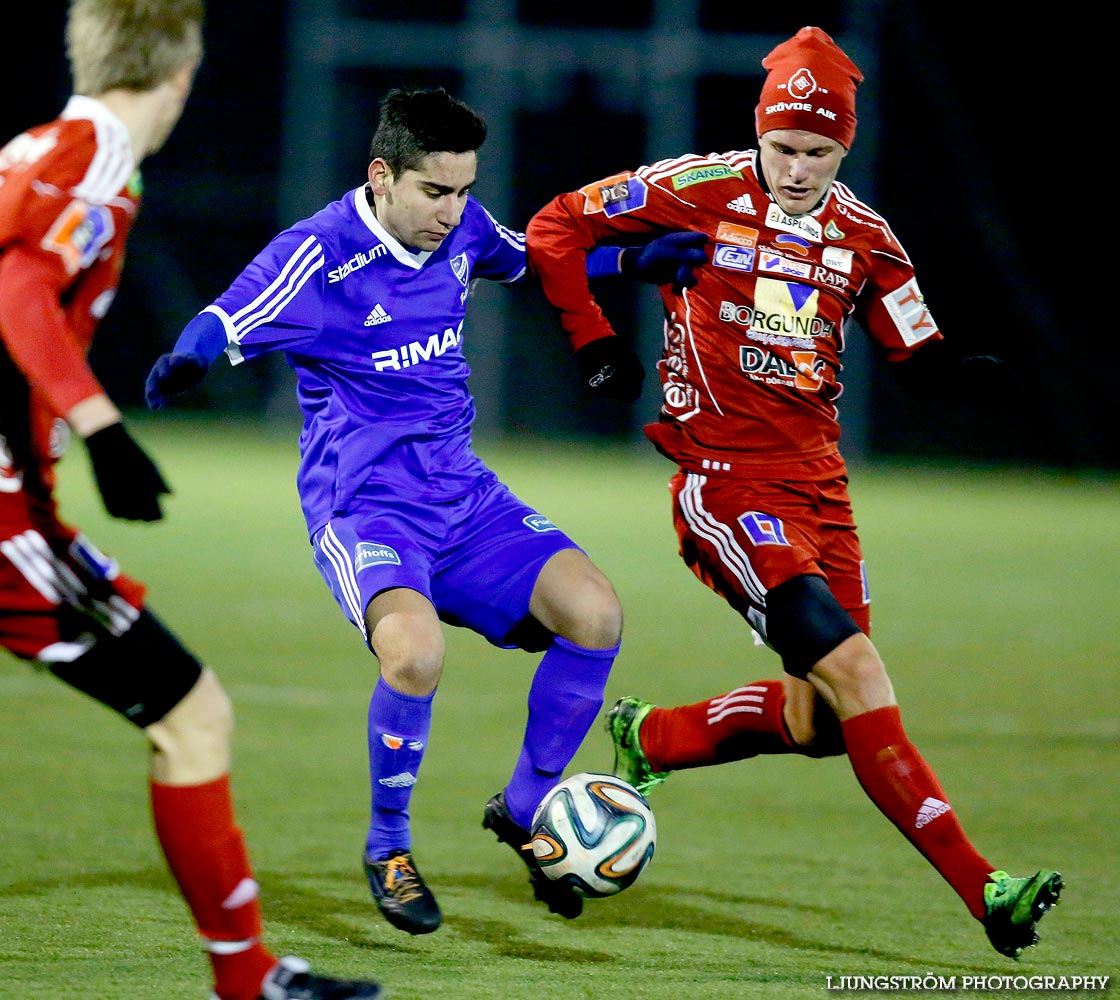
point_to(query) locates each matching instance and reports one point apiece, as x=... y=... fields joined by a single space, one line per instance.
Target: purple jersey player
x=367 y=300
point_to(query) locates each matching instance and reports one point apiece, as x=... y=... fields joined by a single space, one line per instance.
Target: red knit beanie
x=811 y=86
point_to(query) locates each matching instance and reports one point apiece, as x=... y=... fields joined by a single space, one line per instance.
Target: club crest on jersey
x=833 y=231
x=460 y=267
x=538 y=522
x=763 y=529
x=614 y=195
x=368 y=554
x=79 y=234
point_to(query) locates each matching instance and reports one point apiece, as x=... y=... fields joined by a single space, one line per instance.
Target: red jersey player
x=750 y=373
x=69 y=191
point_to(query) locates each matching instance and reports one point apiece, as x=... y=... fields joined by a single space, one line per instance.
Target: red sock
x=907 y=792
x=743 y=723
x=206 y=853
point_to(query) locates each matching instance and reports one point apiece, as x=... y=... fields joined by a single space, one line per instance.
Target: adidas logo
x=377 y=315
x=929 y=811
x=406 y=779
x=743 y=205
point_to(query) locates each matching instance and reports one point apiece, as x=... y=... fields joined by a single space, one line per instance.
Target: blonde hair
x=131 y=44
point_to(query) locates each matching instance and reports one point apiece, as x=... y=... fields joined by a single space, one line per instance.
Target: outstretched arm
x=671 y=259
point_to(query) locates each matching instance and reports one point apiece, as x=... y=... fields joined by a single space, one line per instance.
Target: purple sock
x=565 y=698
x=398 y=734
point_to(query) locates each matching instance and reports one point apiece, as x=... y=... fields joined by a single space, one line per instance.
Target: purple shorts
x=476 y=558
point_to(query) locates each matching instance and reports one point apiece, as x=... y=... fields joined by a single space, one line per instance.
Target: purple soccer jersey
x=392 y=491
x=374 y=332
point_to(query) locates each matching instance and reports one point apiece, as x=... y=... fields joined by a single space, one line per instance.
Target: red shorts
x=744 y=537
x=54 y=585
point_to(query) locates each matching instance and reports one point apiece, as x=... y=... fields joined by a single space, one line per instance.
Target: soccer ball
x=595 y=832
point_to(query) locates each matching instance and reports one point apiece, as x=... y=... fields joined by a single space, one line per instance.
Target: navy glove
x=129 y=481
x=172 y=374
x=669 y=259
x=609 y=368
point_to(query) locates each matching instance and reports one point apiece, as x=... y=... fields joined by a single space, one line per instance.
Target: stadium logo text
x=359 y=260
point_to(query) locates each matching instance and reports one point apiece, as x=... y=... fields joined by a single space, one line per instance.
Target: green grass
x=995 y=596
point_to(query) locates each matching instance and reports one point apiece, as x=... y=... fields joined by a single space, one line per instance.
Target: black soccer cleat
x=401 y=895
x=559 y=897
x=292 y=979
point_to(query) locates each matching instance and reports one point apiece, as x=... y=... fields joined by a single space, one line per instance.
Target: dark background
x=973 y=166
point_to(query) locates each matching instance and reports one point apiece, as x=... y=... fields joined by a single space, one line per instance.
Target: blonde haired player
x=69 y=192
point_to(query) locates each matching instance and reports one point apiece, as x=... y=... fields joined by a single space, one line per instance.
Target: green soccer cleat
x=630 y=764
x=1013 y=906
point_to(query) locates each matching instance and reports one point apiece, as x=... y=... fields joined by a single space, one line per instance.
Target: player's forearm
x=558 y=247
x=37 y=338
x=204 y=335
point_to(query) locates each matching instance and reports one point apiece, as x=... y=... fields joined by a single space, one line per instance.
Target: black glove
x=172 y=374
x=129 y=481
x=669 y=259
x=609 y=368
x=940 y=371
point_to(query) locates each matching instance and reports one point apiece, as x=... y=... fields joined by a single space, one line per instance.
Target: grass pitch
x=995 y=593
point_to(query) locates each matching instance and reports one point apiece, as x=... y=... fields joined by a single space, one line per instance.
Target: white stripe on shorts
x=338 y=557
x=731 y=554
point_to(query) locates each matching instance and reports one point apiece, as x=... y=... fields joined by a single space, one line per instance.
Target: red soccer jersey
x=69 y=191
x=751 y=362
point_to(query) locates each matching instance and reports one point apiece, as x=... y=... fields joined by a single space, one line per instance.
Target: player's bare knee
x=597 y=621
x=410 y=652
x=853 y=678
x=575 y=600
x=191 y=743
